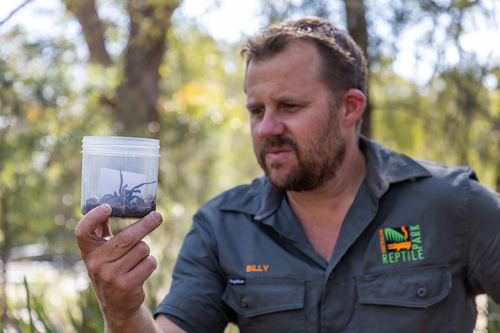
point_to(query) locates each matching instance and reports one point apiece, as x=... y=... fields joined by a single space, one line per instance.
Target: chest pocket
x=412 y=300
x=273 y=304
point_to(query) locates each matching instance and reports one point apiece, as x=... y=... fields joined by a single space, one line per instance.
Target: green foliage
x=90 y=315
x=36 y=314
x=85 y=317
x=493 y=317
x=39 y=162
x=453 y=121
x=33 y=304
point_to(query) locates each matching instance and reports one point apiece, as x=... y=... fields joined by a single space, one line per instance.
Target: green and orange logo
x=401 y=244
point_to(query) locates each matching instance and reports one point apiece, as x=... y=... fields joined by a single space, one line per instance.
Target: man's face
x=294 y=120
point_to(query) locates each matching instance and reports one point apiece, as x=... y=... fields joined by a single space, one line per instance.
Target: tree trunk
x=138 y=94
x=135 y=105
x=356 y=24
x=86 y=13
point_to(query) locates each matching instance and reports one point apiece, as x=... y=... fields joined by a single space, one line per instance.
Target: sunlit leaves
x=41 y=116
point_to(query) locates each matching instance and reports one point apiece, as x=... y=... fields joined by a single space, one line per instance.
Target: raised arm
x=118 y=267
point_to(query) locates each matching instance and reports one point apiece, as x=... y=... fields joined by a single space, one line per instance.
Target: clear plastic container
x=121 y=172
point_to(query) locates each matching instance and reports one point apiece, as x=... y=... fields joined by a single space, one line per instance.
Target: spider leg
x=142 y=184
x=107 y=196
x=120 y=189
x=124 y=191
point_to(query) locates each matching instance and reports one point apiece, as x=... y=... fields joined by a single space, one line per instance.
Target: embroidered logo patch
x=236 y=282
x=401 y=244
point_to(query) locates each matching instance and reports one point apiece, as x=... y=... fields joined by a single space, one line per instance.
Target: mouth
x=277 y=152
x=274 y=152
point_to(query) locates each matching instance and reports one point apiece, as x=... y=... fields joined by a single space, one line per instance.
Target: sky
x=227 y=22
x=234 y=18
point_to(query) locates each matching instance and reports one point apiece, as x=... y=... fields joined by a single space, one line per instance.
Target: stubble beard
x=314 y=167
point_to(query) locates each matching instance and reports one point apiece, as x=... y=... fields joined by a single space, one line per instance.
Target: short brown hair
x=343 y=64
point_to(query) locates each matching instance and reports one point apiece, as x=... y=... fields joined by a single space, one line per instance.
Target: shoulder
x=447 y=183
x=391 y=167
x=440 y=171
x=454 y=188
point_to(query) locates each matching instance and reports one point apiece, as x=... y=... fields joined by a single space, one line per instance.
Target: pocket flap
x=262 y=296
x=415 y=288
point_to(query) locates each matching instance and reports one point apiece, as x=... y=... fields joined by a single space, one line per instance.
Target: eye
x=256 y=111
x=290 y=107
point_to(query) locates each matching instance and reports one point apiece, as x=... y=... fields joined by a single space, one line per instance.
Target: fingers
x=85 y=231
x=143 y=269
x=133 y=257
x=120 y=244
x=131 y=270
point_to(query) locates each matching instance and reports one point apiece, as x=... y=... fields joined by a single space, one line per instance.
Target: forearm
x=143 y=322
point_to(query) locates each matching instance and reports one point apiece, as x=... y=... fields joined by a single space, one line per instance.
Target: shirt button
x=244 y=303
x=421 y=292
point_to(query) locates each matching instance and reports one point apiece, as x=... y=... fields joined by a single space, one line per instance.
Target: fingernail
x=104 y=209
x=157 y=217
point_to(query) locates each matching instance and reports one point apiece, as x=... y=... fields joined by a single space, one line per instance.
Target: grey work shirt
x=418 y=243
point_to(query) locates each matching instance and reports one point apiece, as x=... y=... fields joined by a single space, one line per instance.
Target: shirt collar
x=258 y=199
x=384 y=167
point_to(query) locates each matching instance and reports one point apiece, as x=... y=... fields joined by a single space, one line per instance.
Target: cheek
x=256 y=147
x=256 y=140
x=254 y=129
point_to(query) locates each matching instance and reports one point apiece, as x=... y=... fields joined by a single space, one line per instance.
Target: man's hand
x=117 y=266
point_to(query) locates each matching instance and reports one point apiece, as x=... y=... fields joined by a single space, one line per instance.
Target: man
x=342 y=235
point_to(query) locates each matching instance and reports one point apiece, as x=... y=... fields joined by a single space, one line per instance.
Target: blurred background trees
x=147 y=68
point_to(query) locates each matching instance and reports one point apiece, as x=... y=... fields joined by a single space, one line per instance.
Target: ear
x=354 y=103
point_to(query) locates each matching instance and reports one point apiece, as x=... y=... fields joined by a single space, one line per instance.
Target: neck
x=322 y=211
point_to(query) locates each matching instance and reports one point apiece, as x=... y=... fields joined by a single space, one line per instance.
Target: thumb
x=93 y=229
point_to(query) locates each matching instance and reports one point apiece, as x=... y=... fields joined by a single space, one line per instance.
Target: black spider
x=124 y=203
x=124 y=194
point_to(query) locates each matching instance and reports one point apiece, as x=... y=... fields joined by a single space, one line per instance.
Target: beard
x=315 y=165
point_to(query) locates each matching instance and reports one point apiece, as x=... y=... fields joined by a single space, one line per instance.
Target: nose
x=270 y=124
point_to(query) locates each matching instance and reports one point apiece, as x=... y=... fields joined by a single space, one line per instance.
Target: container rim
x=104 y=153
x=120 y=146
x=119 y=140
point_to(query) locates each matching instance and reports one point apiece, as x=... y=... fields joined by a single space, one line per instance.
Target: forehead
x=298 y=64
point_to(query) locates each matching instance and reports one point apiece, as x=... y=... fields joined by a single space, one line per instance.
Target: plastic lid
x=120 y=145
